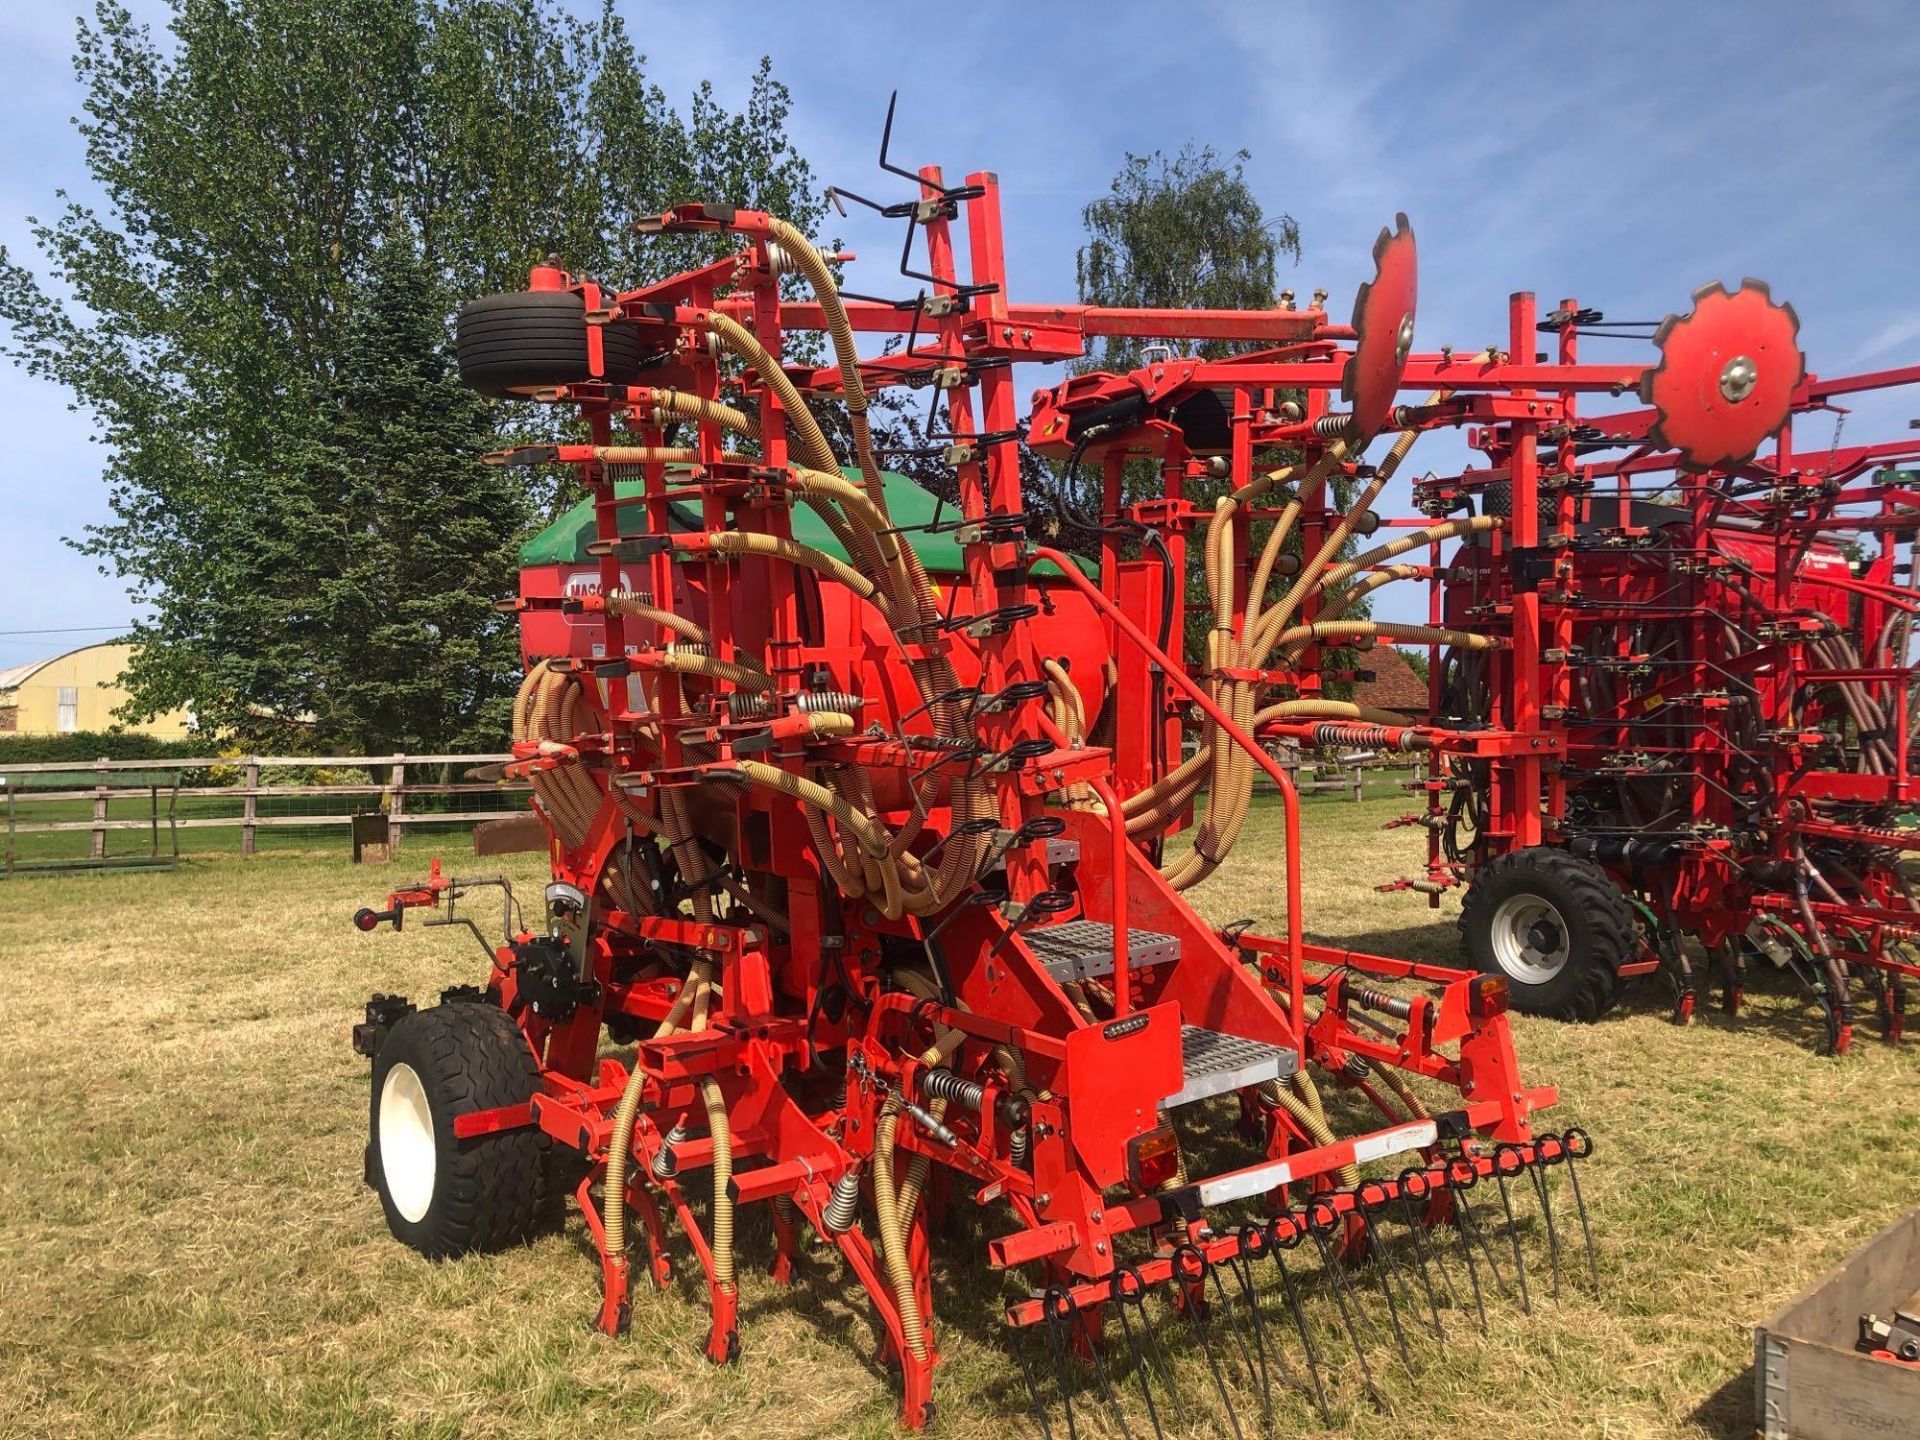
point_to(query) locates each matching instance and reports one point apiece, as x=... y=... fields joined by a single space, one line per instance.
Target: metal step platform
x=1083 y=949
x=1214 y=1064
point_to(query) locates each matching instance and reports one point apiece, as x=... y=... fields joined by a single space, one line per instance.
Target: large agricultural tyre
x=1556 y=926
x=442 y=1195
x=527 y=340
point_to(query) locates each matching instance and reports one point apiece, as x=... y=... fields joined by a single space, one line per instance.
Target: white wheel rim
x=1530 y=939
x=407 y=1149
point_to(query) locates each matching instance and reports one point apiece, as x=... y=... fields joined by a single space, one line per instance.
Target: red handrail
x=1289 y=796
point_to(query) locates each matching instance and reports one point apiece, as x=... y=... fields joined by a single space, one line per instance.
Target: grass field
x=186 y=1247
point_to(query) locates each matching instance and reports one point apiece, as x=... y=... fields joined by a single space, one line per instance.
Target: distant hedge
x=92 y=744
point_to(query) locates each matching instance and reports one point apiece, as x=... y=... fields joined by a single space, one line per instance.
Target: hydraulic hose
x=776 y=547
x=679 y=405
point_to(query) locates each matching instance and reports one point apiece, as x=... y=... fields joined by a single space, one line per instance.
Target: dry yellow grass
x=186 y=1247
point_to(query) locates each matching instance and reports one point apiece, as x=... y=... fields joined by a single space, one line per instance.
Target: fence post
x=396 y=803
x=250 y=810
x=99 y=846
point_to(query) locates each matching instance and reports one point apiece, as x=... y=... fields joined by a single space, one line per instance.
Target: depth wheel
x=444 y=1196
x=1555 y=926
x=514 y=344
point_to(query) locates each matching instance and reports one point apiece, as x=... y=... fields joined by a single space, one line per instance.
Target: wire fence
x=124 y=812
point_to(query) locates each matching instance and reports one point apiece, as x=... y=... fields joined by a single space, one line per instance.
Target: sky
x=1623 y=154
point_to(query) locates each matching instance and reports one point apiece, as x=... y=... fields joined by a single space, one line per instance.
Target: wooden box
x=1809 y=1381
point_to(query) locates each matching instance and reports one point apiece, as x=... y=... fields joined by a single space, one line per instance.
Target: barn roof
x=15 y=676
x=1394 y=686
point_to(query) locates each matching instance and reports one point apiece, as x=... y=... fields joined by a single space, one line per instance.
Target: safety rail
x=1185 y=683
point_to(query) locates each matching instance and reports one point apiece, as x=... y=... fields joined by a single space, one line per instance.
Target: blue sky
x=1623 y=154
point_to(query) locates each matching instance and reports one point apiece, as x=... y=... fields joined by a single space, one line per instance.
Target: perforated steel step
x=1083 y=949
x=1213 y=1064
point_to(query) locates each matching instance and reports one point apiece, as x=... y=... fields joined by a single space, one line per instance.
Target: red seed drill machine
x=864 y=901
x=1711 y=646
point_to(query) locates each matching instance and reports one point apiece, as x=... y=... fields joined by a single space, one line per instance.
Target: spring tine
x=1034 y=1403
x=1099 y=1367
x=1580 y=1145
x=1234 y=1263
x=1513 y=1233
x=1279 y=1248
x=1137 y=1298
x=1330 y=1262
x=1537 y=1173
x=1057 y=1348
x=1190 y=1264
x=1422 y=1258
x=1388 y=1272
x=1471 y=1221
x=1462 y=1222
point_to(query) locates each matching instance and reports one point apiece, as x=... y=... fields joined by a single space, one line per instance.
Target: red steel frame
x=1092 y=1083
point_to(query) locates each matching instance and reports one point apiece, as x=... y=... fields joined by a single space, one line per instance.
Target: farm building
x=78 y=690
x=1395 y=685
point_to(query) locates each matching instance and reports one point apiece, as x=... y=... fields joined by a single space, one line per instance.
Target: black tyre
x=529 y=340
x=445 y=1196
x=1555 y=926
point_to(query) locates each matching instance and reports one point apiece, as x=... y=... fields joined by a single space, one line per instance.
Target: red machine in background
x=1713 y=646
x=870 y=870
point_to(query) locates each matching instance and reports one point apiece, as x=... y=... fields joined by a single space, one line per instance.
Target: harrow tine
x=1463 y=1230
x=1035 y=1404
x=1579 y=1145
x=1091 y=1343
x=1236 y=1265
x=1278 y=1246
x=1051 y=1303
x=1330 y=1262
x=1190 y=1264
x=1500 y=1174
x=1137 y=1298
x=1388 y=1271
x=1410 y=1178
x=1537 y=1173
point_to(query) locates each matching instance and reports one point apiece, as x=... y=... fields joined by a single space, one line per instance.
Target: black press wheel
x=529 y=340
x=445 y=1196
x=1555 y=925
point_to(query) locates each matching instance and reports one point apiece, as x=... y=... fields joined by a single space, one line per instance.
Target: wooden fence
x=17 y=781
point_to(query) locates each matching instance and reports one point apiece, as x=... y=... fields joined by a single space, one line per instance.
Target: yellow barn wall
x=92 y=672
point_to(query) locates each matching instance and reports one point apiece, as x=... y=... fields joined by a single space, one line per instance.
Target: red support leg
x=786 y=1242
x=616 y=1306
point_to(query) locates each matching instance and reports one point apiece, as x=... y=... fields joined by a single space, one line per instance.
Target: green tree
x=1180 y=233
x=1185 y=233
x=266 y=177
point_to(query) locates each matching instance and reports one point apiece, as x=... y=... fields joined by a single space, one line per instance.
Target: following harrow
x=870 y=833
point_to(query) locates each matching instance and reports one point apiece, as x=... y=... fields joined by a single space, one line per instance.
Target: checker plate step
x=1213 y=1064
x=1083 y=949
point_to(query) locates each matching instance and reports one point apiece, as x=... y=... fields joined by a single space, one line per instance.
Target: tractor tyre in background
x=513 y=344
x=1556 y=926
x=442 y=1195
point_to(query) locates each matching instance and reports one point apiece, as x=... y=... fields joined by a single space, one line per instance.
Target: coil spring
x=743 y=705
x=1020 y=1146
x=815 y=701
x=1332 y=426
x=943 y=1084
x=637 y=597
x=1360 y=735
x=665 y=1162
x=843 y=1206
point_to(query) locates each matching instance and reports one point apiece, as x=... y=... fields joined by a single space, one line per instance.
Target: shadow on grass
x=1728 y=1412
